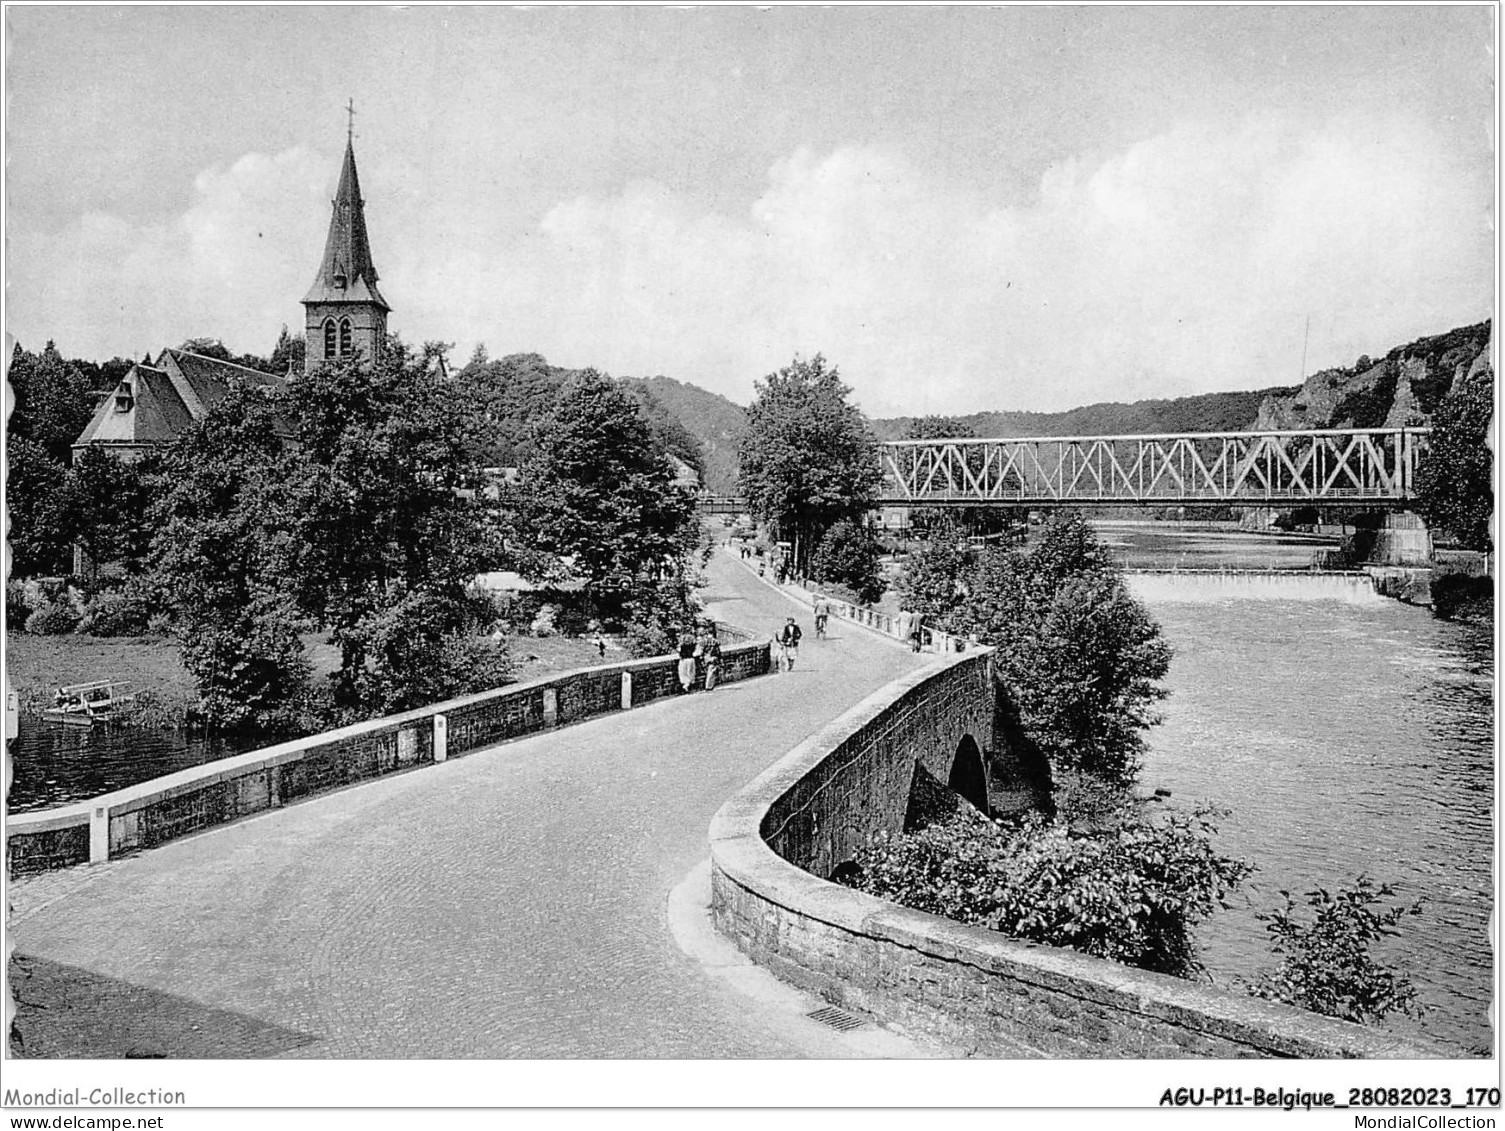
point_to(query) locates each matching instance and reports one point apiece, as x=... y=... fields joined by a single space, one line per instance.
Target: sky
x=963 y=208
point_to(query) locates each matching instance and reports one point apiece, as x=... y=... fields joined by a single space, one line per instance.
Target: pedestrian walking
x=686 y=671
x=710 y=657
x=789 y=645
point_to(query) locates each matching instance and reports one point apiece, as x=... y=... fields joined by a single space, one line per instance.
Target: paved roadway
x=529 y=900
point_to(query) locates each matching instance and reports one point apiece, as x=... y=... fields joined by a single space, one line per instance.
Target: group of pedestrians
x=699 y=656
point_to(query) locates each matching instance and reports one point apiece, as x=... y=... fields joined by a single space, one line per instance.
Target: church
x=345 y=317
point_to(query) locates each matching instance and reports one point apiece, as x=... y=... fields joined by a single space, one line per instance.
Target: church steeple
x=346 y=314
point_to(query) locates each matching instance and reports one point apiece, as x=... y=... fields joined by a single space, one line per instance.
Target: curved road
x=528 y=900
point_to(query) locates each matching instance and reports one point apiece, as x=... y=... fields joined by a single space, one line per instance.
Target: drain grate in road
x=838 y=1019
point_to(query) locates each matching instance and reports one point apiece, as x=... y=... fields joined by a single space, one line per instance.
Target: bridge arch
x=969 y=776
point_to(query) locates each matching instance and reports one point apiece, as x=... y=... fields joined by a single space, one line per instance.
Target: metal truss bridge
x=1351 y=466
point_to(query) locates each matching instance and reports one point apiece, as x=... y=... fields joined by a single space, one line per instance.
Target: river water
x=53 y=765
x=1348 y=734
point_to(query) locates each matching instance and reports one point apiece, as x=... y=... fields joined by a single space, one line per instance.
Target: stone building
x=154 y=404
x=345 y=317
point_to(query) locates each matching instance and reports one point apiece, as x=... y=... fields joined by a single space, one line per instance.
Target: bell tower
x=345 y=315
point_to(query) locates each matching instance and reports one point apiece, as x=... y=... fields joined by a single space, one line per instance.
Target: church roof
x=346 y=273
x=145 y=408
x=208 y=378
x=154 y=404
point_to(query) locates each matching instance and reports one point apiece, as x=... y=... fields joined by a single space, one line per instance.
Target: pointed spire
x=346 y=273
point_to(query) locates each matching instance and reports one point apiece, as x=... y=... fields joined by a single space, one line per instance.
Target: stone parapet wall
x=773 y=844
x=176 y=805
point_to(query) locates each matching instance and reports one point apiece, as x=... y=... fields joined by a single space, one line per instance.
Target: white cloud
x=1187 y=262
x=220 y=269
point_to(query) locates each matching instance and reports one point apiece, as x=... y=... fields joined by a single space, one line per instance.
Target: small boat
x=88 y=704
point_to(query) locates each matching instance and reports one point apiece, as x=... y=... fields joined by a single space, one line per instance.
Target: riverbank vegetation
x=354 y=505
x=1111 y=873
x=1325 y=963
x=1454 y=478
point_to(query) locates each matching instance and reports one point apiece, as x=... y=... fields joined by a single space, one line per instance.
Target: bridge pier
x=1402 y=540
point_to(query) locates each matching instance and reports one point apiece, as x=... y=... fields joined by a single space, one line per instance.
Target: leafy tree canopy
x=596 y=497
x=53 y=400
x=808 y=459
x=38 y=533
x=1080 y=656
x=848 y=555
x=1454 y=479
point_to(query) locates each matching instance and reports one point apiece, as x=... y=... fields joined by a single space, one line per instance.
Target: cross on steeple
x=350 y=125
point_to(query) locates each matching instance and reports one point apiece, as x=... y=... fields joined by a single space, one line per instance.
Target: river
x=1348 y=734
x=54 y=765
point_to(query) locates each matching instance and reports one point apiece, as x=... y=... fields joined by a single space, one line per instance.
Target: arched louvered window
x=346 y=345
x=329 y=342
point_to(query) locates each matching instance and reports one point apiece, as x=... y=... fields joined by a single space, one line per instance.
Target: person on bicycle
x=822 y=612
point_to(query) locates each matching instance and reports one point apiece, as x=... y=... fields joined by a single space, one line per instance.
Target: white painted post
x=626 y=690
x=441 y=738
x=550 y=707
x=99 y=835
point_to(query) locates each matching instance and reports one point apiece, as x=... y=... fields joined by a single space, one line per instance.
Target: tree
x=207 y=347
x=932 y=581
x=418 y=651
x=596 y=499
x=38 y=532
x=1453 y=479
x=1080 y=657
x=288 y=354
x=510 y=395
x=53 y=400
x=221 y=553
x=385 y=498
x=106 y=503
x=808 y=458
x=848 y=555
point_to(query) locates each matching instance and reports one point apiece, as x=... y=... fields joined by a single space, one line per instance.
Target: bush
x=151 y=710
x=1132 y=892
x=1456 y=596
x=1326 y=966
x=545 y=621
x=17 y=606
x=127 y=610
x=249 y=669
x=52 y=618
x=643 y=641
x=417 y=652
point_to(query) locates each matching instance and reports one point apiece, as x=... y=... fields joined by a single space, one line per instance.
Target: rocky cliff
x=1401 y=388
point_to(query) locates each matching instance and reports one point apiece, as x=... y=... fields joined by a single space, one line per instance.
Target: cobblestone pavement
x=510 y=903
